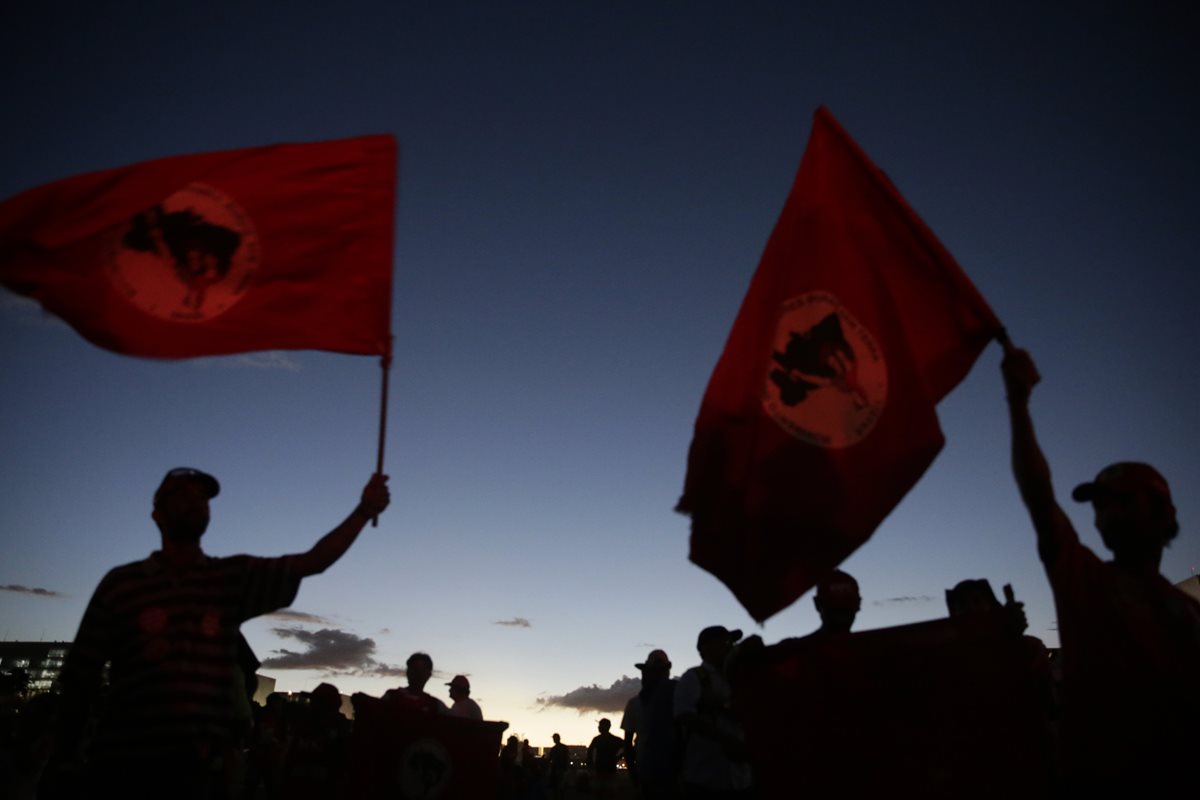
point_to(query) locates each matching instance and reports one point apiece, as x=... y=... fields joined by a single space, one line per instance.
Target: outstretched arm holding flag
x=333 y=545
x=1030 y=468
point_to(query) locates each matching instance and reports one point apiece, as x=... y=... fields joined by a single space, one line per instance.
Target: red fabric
x=281 y=247
x=775 y=505
x=942 y=709
x=399 y=751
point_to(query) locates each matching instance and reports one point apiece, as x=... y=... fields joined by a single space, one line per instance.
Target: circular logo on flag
x=425 y=769
x=826 y=382
x=189 y=258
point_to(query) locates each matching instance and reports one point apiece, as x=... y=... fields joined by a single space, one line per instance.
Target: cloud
x=596 y=697
x=269 y=359
x=298 y=616
x=515 y=622
x=920 y=598
x=330 y=650
x=13 y=587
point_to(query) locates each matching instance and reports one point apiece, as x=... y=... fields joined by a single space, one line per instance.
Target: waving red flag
x=819 y=416
x=286 y=247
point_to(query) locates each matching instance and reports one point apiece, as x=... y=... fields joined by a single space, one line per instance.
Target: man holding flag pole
x=280 y=247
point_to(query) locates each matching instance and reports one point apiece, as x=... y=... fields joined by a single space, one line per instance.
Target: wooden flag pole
x=385 y=364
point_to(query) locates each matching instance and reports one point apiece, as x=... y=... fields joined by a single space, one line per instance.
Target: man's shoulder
x=133 y=570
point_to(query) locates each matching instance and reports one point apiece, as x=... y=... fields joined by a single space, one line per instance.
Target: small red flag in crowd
x=285 y=247
x=820 y=416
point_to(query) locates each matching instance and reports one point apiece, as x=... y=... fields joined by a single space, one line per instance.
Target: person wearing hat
x=460 y=693
x=1130 y=640
x=649 y=725
x=715 y=762
x=168 y=626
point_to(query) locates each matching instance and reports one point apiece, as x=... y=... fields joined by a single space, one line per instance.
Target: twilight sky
x=584 y=193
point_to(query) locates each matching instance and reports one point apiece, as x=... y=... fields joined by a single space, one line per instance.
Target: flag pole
x=385 y=365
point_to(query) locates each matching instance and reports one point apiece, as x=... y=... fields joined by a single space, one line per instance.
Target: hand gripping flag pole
x=385 y=365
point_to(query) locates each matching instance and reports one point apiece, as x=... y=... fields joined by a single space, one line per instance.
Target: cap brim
x=1083 y=493
x=210 y=485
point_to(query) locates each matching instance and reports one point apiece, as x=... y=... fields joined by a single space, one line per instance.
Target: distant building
x=41 y=661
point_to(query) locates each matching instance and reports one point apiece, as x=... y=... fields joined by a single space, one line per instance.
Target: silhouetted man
x=649 y=725
x=168 y=625
x=838 y=602
x=602 y=755
x=560 y=761
x=1130 y=640
x=460 y=693
x=715 y=762
x=417 y=670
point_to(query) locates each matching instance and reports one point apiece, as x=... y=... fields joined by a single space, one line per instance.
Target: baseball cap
x=657 y=658
x=180 y=475
x=460 y=681
x=1124 y=476
x=717 y=632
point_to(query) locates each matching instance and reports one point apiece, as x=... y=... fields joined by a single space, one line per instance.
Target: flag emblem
x=425 y=770
x=189 y=258
x=826 y=381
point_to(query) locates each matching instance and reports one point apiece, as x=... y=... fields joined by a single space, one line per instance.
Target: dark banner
x=950 y=708
x=401 y=753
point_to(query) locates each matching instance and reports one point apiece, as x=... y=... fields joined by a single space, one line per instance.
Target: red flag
x=400 y=751
x=284 y=247
x=950 y=708
x=819 y=416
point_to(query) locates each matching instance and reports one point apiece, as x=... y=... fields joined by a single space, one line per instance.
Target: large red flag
x=820 y=416
x=283 y=247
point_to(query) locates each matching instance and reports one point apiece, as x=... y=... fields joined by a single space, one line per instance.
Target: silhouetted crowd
x=155 y=695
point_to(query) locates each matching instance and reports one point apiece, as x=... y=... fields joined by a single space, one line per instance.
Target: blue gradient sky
x=585 y=190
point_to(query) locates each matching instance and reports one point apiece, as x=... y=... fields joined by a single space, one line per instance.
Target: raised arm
x=1030 y=468
x=331 y=547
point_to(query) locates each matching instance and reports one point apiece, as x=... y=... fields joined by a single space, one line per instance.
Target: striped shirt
x=170 y=634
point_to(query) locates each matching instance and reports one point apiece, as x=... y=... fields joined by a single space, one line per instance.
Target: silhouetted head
x=1134 y=512
x=837 y=601
x=655 y=668
x=715 y=643
x=460 y=687
x=972 y=596
x=557 y=739
x=418 y=670
x=326 y=699
x=181 y=504
x=604 y=725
